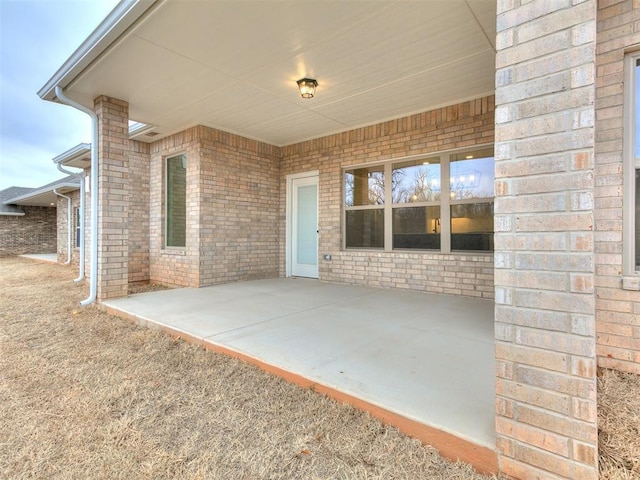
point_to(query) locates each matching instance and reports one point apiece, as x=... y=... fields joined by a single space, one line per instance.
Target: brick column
x=544 y=245
x=113 y=200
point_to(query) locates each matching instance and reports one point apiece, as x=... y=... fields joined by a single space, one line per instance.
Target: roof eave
x=68 y=186
x=125 y=14
x=72 y=154
x=12 y=214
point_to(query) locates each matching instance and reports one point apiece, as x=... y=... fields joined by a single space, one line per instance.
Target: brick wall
x=139 y=175
x=33 y=232
x=113 y=192
x=236 y=205
x=544 y=241
x=175 y=266
x=464 y=125
x=617 y=310
x=232 y=209
x=239 y=208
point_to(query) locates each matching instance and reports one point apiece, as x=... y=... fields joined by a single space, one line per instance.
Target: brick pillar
x=113 y=200
x=544 y=245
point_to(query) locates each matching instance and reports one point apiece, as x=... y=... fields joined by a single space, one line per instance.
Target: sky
x=36 y=38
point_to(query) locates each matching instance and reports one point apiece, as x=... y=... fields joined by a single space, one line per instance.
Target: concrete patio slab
x=43 y=257
x=427 y=358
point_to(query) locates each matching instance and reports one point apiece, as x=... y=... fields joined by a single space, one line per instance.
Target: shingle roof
x=20 y=194
x=8 y=194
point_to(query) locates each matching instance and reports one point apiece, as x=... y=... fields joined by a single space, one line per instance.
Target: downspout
x=82 y=229
x=93 y=277
x=69 y=218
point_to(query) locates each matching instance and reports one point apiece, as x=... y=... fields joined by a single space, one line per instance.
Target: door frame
x=289 y=214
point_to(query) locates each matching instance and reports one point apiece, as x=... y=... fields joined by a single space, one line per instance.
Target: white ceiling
x=234 y=65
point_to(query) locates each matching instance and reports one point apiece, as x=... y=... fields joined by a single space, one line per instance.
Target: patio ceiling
x=234 y=65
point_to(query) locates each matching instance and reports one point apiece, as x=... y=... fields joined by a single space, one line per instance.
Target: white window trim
x=444 y=204
x=631 y=277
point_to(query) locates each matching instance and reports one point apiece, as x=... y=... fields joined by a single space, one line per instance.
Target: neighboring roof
x=9 y=193
x=233 y=66
x=41 y=196
x=76 y=157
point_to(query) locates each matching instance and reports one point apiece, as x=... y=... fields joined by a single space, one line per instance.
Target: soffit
x=44 y=197
x=234 y=65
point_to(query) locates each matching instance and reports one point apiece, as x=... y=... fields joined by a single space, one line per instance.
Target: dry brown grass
x=87 y=395
x=619 y=425
x=143 y=287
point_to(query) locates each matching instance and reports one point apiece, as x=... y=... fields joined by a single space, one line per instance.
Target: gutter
x=38 y=191
x=93 y=277
x=69 y=217
x=82 y=221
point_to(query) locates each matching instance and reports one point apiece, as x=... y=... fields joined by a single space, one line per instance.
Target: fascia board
x=78 y=151
x=40 y=191
x=11 y=214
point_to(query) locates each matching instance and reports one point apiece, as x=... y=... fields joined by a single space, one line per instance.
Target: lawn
x=88 y=395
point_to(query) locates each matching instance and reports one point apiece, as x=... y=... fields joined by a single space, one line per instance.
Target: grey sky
x=36 y=37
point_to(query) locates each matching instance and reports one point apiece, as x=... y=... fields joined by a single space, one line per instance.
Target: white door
x=304 y=227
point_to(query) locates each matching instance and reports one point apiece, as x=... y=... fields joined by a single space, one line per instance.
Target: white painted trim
x=628 y=169
x=78 y=151
x=11 y=214
x=66 y=186
x=140 y=129
x=289 y=219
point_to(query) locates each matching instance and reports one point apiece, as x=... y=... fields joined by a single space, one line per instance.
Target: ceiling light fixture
x=307 y=87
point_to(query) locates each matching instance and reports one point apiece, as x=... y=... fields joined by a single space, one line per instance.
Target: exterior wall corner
x=544 y=222
x=113 y=197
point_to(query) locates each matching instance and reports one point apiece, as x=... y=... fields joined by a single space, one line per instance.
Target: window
x=416 y=204
x=78 y=221
x=441 y=202
x=631 y=167
x=176 y=201
x=471 y=191
x=364 y=197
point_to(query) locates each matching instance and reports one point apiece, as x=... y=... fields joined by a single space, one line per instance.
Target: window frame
x=388 y=206
x=77 y=224
x=631 y=164
x=368 y=206
x=165 y=181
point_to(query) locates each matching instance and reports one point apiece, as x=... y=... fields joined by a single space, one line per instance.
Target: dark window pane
x=472 y=226
x=364 y=186
x=636 y=112
x=77 y=227
x=365 y=228
x=176 y=207
x=416 y=181
x=637 y=239
x=416 y=227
